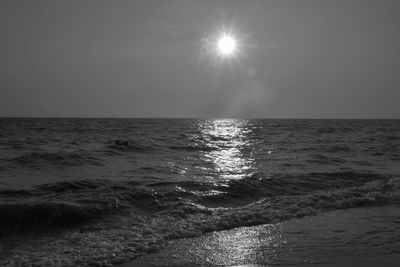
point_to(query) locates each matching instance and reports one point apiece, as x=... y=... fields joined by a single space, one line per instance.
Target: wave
x=272 y=210
x=127 y=146
x=326 y=130
x=193 y=148
x=66 y=203
x=72 y=185
x=77 y=201
x=339 y=148
x=325 y=160
x=36 y=212
x=260 y=185
x=19 y=216
x=244 y=191
x=60 y=158
x=15 y=193
x=186 y=219
x=113 y=195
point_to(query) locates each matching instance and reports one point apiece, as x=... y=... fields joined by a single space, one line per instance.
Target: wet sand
x=353 y=237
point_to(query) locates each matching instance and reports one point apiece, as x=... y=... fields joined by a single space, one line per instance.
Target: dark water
x=85 y=168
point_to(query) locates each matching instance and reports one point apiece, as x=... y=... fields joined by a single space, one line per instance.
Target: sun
x=226 y=45
x=223 y=45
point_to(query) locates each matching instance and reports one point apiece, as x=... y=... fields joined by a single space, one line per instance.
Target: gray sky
x=296 y=59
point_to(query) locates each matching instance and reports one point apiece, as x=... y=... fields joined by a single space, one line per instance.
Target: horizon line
x=193 y=118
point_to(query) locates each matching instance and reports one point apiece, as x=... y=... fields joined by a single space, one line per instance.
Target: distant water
x=209 y=174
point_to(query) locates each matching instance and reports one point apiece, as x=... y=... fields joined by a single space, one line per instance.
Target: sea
x=104 y=191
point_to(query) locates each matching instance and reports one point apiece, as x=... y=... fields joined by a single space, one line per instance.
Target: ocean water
x=158 y=179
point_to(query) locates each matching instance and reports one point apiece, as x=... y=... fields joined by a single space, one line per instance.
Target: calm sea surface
x=205 y=174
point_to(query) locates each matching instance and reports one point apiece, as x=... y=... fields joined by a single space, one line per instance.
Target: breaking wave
x=272 y=210
x=259 y=186
x=78 y=201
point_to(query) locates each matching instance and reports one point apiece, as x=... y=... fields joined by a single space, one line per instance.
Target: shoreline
x=354 y=237
x=391 y=260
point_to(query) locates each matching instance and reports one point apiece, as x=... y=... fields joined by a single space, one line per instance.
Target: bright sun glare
x=226 y=45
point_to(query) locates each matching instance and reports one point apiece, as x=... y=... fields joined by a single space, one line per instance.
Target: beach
x=356 y=237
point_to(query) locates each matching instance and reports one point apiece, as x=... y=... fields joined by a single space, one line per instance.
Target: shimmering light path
x=230 y=156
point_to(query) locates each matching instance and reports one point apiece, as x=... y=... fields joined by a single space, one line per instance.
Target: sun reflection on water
x=230 y=154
